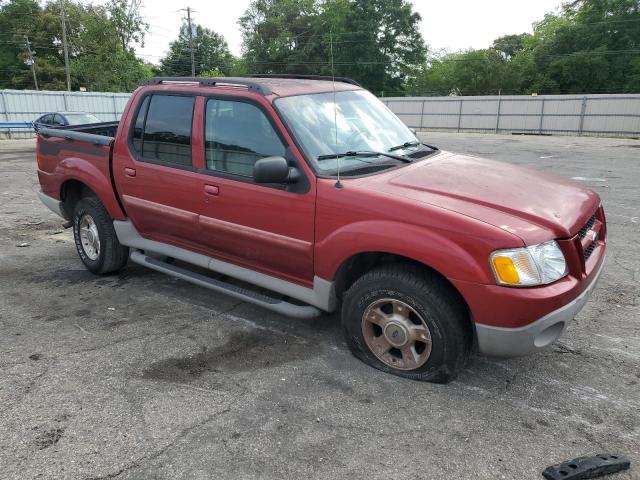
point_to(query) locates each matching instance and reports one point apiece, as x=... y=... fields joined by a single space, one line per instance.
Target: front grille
x=587 y=226
x=582 y=233
x=589 y=250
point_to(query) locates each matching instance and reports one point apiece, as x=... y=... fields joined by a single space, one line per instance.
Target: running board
x=246 y=295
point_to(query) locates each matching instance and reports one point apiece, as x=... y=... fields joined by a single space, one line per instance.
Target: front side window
x=237 y=135
x=167 y=130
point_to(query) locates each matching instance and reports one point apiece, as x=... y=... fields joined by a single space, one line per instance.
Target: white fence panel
x=613 y=115
x=27 y=105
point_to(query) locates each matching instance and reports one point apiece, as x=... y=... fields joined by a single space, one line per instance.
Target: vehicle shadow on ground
x=228 y=336
x=272 y=339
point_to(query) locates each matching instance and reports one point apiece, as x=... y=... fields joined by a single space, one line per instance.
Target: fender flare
x=429 y=247
x=96 y=179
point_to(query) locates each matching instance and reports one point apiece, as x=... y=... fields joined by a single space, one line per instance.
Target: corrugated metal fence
x=27 y=105
x=601 y=115
x=614 y=115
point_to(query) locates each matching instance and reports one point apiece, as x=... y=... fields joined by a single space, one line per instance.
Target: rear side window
x=237 y=135
x=165 y=130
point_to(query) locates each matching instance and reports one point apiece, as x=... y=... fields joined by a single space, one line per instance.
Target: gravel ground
x=140 y=376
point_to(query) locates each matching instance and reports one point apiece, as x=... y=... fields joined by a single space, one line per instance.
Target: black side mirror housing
x=274 y=170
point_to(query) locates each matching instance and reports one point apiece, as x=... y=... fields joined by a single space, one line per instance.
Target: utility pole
x=31 y=62
x=193 y=62
x=64 y=44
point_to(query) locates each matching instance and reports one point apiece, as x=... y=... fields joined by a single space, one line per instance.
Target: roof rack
x=304 y=77
x=211 y=81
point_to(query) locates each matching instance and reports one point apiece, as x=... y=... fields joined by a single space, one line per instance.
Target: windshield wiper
x=404 y=145
x=364 y=153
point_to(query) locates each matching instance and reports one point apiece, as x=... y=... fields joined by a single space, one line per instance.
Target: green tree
x=211 y=52
x=474 y=72
x=18 y=19
x=127 y=22
x=383 y=45
x=592 y=46
x=100 y=42
x=376 y=42
x=98 y=59
x=510 y=45
x=282 y=36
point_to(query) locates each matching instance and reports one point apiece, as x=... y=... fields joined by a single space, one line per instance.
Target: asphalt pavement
x=141 y=376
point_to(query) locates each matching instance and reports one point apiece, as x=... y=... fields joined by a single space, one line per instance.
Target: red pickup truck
x=307 y=195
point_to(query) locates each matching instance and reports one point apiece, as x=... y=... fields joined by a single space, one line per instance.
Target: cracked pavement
x=140 y=376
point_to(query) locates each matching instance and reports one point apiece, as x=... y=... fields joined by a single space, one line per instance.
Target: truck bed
x=82 y=153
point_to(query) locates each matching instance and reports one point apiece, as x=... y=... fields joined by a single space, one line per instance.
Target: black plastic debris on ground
x=587 y=467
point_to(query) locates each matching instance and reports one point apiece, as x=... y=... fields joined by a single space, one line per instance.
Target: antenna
x=335 y=108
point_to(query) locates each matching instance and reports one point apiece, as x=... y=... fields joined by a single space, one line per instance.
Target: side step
x=270 y=303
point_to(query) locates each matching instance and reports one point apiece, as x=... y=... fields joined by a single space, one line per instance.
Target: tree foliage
x=210 y=49
x=101 y=43
x=376 y=42
x=591 y=46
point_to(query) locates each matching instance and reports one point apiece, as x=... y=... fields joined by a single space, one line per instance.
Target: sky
x=451 y=25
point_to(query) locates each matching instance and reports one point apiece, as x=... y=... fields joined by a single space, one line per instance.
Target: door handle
x=211 y=190
x=130 y=172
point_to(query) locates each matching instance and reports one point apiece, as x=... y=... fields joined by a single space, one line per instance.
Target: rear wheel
x=95 y=238
x=408 y=322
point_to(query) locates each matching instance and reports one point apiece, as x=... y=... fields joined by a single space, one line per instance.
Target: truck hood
x=531 y=204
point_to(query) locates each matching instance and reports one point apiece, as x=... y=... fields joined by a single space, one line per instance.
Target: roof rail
x=211 y=81
x=304 y=77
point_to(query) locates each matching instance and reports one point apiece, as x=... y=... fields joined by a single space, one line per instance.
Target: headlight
x=524 y=267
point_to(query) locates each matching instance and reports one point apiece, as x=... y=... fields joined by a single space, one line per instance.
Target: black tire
x=112 y=256
x=440 y=306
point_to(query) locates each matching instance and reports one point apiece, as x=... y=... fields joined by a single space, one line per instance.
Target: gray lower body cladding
x=514 y=342
x=320 y=297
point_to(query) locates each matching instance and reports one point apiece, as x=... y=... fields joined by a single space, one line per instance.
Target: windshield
x=363 y=122
x=81 y=118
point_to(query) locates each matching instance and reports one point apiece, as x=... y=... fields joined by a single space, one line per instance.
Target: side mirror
x=274 y=170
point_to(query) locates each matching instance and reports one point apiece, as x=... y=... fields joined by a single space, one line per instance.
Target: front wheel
x=95 y=238
x=408 y=322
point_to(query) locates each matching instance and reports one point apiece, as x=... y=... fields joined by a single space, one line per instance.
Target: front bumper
x=514 y=342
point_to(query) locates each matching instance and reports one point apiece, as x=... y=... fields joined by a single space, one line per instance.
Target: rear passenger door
x=156 y=181
x=269 y=228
